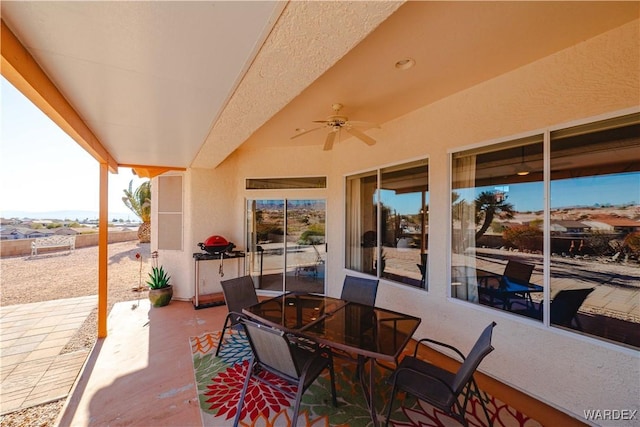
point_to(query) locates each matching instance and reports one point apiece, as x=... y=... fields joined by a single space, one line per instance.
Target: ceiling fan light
x=523 y=169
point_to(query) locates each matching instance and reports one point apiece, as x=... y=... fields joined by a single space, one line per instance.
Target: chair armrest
x=450 y=347
x=234 y=317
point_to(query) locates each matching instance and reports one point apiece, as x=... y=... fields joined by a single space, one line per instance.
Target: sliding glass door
x=286 y=244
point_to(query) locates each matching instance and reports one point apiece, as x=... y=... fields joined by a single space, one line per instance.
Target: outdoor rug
x=220 y=380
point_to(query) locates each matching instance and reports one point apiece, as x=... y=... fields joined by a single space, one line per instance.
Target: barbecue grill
x=216 y=245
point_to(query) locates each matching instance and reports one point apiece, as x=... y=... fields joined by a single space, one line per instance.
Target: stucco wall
x=597 y=77
x=22 y=247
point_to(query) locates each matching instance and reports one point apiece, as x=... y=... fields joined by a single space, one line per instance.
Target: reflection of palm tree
x=457 y=206
x=488 y=205
x=139 y=202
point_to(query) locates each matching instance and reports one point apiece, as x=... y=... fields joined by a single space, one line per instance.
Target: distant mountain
x=70 y=215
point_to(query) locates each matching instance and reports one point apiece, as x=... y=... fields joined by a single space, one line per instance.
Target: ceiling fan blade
x=305 y=132
x=363 y=124
x=328 y=143
x=361 y=136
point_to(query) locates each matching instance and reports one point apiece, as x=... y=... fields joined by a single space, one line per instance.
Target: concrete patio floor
x=142 y=373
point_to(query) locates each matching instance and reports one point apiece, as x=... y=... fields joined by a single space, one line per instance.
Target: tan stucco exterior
x=596 y=78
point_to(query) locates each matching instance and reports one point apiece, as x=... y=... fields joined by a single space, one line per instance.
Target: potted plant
x=160 y=289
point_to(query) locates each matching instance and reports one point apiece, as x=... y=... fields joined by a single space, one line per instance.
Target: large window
x=588 y=233
x=387 y=223
x=497 y=211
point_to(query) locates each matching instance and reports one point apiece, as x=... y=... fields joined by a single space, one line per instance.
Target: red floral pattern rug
x=220 y=379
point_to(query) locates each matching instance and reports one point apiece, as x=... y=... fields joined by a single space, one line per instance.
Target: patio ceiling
x=184 y=84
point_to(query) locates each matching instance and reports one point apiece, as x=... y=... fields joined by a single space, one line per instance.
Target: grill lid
x=216 y=241
x=216 y=245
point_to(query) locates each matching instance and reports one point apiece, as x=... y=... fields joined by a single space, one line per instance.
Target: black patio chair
x=238 y=293
x=439 y=387
x=516 y=272
x=565 y=305
x=275 y=352
x=423 y=269
x=360 y=290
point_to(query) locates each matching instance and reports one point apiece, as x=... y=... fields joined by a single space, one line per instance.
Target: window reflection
x=395 y=247
x=497 y=212
x=404 y=210
x=593 y=230
x=286 y=244
x=362 y=237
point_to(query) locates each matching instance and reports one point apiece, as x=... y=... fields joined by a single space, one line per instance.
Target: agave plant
x=158 y=278
x=139 y=202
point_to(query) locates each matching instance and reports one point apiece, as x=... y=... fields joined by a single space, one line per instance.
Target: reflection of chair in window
x=440 y=387
x=565 y=305
x=311 y=263
x=423 y=269
x=238 y=293
x=519 y=273
x=564 y=308
x=276 y=359
x=516 y=272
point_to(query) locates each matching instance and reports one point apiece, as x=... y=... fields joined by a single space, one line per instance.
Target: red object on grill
x=216 y=245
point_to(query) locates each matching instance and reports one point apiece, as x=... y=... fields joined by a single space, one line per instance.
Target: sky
x=42 y=169
x=615 y=189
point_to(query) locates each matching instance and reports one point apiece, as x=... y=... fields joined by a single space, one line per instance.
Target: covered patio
x=143 y=374
x=292 y=128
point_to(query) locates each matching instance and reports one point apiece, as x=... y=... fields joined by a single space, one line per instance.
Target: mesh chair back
x=271 y=348
x=479 y=351
x=518 y=272
x=566 y=303
x=360 y=290
x=239 y=293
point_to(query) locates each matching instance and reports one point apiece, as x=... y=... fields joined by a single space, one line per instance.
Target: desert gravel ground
x=59 y=275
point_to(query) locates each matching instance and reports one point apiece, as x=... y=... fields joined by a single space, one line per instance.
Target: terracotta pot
x=160 y=297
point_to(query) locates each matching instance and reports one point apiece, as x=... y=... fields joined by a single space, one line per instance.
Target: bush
x=524 y=238
x=632 y=243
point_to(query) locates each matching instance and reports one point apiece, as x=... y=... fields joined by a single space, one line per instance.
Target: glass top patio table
x=372 y=332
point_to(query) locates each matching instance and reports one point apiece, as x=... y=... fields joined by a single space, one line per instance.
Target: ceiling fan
x=335 y=123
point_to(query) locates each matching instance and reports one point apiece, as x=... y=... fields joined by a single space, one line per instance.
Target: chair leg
x=578 y=324
x=224 y=328
x=296 y=407
x=236 y=421
x=462 y=411
x=393 y=395
x=332 y=377
x=482 y=399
